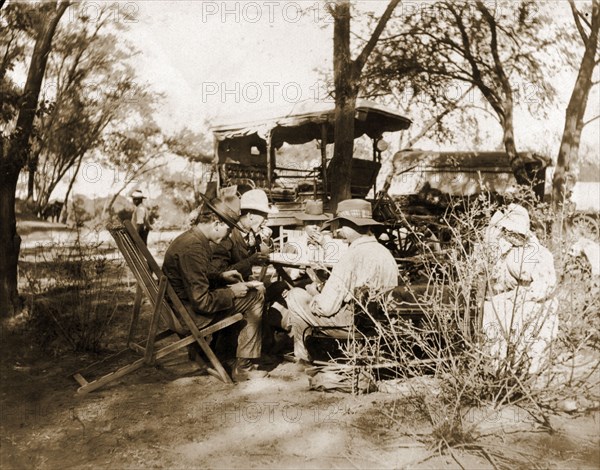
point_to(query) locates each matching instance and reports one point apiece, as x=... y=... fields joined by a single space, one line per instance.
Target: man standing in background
x=140 y=218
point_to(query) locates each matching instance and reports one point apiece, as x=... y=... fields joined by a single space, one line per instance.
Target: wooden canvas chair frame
x=166 y=306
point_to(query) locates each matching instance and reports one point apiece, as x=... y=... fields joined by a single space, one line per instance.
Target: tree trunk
x=569 y=146
x=10 y=244
x=346 y=75
x=13 y=159
x=113 y=199
x=341 y=164
x=508 y=139
x=31 y=180
x=345 y=103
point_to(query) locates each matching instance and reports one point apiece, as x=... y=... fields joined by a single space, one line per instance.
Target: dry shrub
x=71 y=293
x=446 y=343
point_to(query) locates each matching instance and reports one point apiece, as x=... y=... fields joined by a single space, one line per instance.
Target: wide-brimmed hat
x=313 y=210
x=515 y=219
x=256 y=200
x=227 y=208
x=137 y=194
x=357 y=211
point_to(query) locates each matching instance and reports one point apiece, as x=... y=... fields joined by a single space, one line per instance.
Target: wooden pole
x=324 y=159
x=270 y=158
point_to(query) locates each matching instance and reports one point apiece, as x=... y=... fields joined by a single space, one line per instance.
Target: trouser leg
x=274 y=292
x=272 y=319
x=298 y=301
x=250 y=336
x=300 y=318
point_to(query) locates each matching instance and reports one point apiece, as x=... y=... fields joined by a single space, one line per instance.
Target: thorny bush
x=445 y=344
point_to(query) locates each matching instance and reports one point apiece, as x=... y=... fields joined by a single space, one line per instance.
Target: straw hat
x=357 y=211
x=313 y=210
x=137 y=194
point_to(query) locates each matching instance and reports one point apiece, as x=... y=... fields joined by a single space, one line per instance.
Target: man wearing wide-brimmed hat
x=312 y=220
x=140 y=217
x=366 y=264
x=188 y=267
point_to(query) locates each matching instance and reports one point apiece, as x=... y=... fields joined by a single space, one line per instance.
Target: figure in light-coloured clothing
x=366 y=264
x=520 y=312
x=140 y=217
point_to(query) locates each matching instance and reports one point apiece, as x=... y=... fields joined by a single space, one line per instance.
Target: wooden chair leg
x=135 y=314
x=90 y=386
x=218 y=370
x=162 y=288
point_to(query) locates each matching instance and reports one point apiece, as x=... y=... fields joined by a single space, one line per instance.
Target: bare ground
x=172 y=416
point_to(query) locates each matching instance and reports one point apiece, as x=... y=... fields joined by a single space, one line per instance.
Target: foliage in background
x=439 y=53
x=90 y=90
x=18 y=126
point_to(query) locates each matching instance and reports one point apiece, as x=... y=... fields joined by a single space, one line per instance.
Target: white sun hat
x=515 y=219
x=256 y=200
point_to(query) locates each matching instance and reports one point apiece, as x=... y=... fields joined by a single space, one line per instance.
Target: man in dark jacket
x=188 y=267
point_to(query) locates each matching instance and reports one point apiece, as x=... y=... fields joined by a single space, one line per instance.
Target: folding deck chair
x=166 y=306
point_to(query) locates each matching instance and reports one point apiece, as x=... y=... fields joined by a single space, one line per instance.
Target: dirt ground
x=173 y=416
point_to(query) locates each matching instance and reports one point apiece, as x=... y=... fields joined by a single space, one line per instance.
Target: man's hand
x=239 y=290
x=312 y=289
x=263 y=255
x=232 y=276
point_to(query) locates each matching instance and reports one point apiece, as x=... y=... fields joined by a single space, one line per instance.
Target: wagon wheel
x=407 y=242
x=586 y=226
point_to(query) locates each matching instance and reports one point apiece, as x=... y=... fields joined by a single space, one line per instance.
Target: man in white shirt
x=140 y=218
x=366 y=264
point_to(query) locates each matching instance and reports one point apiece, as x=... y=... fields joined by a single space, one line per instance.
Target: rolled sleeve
x=335 y=291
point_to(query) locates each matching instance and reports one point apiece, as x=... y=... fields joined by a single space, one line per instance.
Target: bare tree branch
x=360 y=61
x=591 y=120
x=577 y=17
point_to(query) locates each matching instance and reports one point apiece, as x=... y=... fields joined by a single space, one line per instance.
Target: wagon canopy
x=302 y=122
x=463 y=173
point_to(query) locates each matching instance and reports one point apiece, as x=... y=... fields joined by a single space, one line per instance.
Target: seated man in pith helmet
x=247 y=247
x=188 y=267
x=366 y=264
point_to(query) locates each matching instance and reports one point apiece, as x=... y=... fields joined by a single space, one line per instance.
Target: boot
x=243 y=369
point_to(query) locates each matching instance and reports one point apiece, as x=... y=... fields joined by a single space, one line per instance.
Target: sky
x=220 y=58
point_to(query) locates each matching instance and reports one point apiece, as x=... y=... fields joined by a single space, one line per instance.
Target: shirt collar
x=362 y=240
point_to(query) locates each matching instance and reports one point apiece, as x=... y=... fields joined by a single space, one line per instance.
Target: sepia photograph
x=311 y=234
